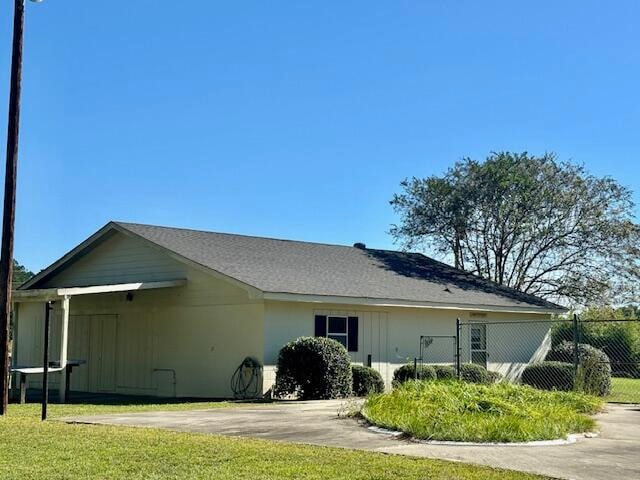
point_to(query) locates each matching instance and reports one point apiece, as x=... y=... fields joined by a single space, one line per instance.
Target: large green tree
x=20 y=274
x=536 y=224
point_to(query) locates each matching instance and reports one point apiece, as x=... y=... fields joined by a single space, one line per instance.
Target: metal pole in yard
x=576 y=357
x=458 y=347
x=45 y=361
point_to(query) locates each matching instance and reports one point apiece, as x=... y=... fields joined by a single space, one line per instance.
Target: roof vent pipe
x=360 y=245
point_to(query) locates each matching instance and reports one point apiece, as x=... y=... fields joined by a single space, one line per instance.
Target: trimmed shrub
x=366 y=381
x=408 y=372
x=473 y=373
x=313 y=368
x=494 y=377
x=563 y=332
x=620 y=341
x=549 y=376
x=445 y=372
x=594 y=371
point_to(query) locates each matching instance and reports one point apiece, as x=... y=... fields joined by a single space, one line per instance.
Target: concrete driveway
x=613 y=455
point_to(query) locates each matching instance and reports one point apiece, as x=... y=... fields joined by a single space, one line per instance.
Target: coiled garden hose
x=245 y=381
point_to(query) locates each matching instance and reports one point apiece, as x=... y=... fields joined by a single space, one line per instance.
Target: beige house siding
x=201 y=331
x=286 y=321
x=391 y=335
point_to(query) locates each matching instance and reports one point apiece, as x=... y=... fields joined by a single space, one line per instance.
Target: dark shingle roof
x=286 y=266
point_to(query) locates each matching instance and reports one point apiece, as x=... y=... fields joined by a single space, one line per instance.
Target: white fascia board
x=35 y=295
x=384 y=302
x=44 y=294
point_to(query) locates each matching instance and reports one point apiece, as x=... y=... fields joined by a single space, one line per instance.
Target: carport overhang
x=54 y=294
x=63 y=295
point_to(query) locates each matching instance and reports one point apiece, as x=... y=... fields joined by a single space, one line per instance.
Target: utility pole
x=9 y=208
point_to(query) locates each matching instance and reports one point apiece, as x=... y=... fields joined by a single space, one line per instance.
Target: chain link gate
x=436 y=350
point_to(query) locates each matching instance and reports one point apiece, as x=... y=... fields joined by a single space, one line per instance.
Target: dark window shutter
x=352 y=340
x=321 y=326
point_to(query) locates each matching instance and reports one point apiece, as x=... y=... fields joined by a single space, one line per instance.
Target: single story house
x=173 y=312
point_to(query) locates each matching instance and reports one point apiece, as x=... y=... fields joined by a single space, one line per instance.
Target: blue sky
x=299 y=119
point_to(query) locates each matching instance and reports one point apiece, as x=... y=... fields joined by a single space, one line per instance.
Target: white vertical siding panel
x=119 y=259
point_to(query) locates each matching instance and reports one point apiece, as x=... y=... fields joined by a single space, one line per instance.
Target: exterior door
x=373 y=343
x=79 y=349
x=135 y=353
x=478 y=344
x=102 y=358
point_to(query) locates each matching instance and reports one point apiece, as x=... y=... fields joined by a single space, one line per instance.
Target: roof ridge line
x=125 y=224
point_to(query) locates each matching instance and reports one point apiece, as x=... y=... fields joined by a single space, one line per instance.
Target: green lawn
x=625 y=390
x=31 y=449
x=460 y=411
x=32 y=410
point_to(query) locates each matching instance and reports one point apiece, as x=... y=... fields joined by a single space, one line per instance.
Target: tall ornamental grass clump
x=471 y=412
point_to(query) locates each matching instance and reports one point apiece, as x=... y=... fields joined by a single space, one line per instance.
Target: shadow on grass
x=108 y=399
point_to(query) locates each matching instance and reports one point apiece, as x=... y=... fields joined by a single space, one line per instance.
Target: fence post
x=576 y=357
x=458 y=347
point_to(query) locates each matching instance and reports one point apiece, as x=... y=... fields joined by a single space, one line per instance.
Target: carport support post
x=64 y=341
x=458 y=347
x=45 y=360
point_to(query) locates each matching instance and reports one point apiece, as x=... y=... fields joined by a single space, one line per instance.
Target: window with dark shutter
x=352 y=331
x=342 y=329
x=321 y=326
x=337 y=329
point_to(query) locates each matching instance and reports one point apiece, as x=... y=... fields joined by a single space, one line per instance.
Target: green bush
x=313 y=368
x=366 y=381
x=562 y=331
x=620 y=341
x=473 y=373
x=594 y=371
x=494 y=377
x=549 y=376
x=408 y=372
x=445 y=372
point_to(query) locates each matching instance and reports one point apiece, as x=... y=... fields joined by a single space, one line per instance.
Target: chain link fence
x=437 y=350
x=601 y=356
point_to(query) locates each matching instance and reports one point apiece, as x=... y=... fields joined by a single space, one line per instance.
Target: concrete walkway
x=614 y=455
